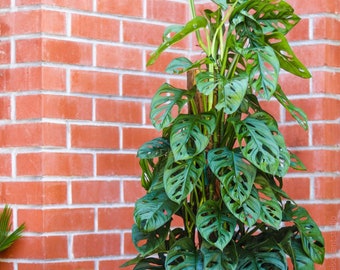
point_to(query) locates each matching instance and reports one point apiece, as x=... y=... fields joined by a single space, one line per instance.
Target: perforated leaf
x=233 y=94
x=287 y=58
x=207 y=82
x=180 y=177
x=248 y=212
x=234 y=171
x=166 y=104
x=215 y=259
x=187 y=137
x=215 y=223
x=264 y=70
x=154 y=210
x=311 y=237
x=154 y=148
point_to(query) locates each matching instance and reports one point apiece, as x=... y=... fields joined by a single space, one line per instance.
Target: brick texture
x=74 y=105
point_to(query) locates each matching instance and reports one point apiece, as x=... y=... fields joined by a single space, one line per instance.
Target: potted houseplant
x=217 y=169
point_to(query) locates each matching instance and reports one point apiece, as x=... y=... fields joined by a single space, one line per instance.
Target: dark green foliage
x=219 y=164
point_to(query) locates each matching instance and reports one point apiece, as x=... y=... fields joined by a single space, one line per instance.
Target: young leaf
x=215 y=224
x=311 y=237
x=287 y=58
x=154 y=210
x=192 y=26
x=166 y=104
x=180 y=177
x=236 y=174
x=187 y=138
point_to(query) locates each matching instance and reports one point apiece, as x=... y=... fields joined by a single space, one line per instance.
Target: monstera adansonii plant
x=214 y=179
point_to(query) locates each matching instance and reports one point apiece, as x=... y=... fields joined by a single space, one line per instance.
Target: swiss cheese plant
x=214 y=179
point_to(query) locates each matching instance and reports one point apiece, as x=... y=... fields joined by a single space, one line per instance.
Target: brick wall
x=74 y=103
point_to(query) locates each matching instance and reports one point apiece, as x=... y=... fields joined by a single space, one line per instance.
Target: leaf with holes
x=146 y=243
x=233 y=94
x=154 y=148
x=263 y=70
x=187 y=138
x=207 y=82
x=234 y=171
x=216 y=224
x=287 y=58
x=166 y=104
x=311 y=237
x=216 y=259
x=183 y=256
x=180 y=177
x=180 y=33
x=154 y=210
x=271 y=210
x=247 y=212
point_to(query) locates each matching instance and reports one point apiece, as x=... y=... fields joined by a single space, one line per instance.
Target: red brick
x=48 y=19
x=148 y=34
x=81 y=5
x=47 y=247
x=141 y=86
x=38 y=134
x=118 y=111
x=87 y=265
x=318 y=108
x=133 y=138
x=320 y=160
x=5 y=108
x=133 y=190
x=33 y=192
x=332 y=241
x=290 y=132
x=326 y=134
x=84 y=192
x=29 y=50
x=5 y=165
x=167 y=11
x=115 y=218
x=117 y=164
x=127 y=7
x=300 y=31
x=83 y=136
x=329 y=264
x=4 y=265
x=57 y=220
x=113 y=264
x=326 y=82
x=95 y=27
x=53 y=79
x=272 y=107
x=326 y=28
x=5 y=3
x=324 y=214
x=327 y=187
x=5 y=52
x=93 y=82
x=297 y=188
x=163 y=61
x=121 y=57
x=314 y=6
x=96 y=245
x=78 y=53
x=54 y=164
x=293 y=85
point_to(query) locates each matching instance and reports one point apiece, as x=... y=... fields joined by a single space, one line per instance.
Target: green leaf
x=311 y=237
x=181 y=32
x=183 y=256
x=154 y=210
x=180 y=177
x=166 y=104
x=234 y=171
x=302 y=261
x=215 y=223
x=146 y=243
x=296 y=163
x=264 y=70
x=187 y=138
x=215 y=259
x=178 y=65
x=145 y=263
x=271 y=211
x=7 y=238
x=233 y=94
x=207 y=82
x=222 y=3
x=154 y=148
x=287 y=58
x=262 y=143
x=264 y=255
x=247 y=212
x=298 y=114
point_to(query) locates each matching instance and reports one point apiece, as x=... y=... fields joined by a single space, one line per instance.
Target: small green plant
x=7 y=238
x=219 y=164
